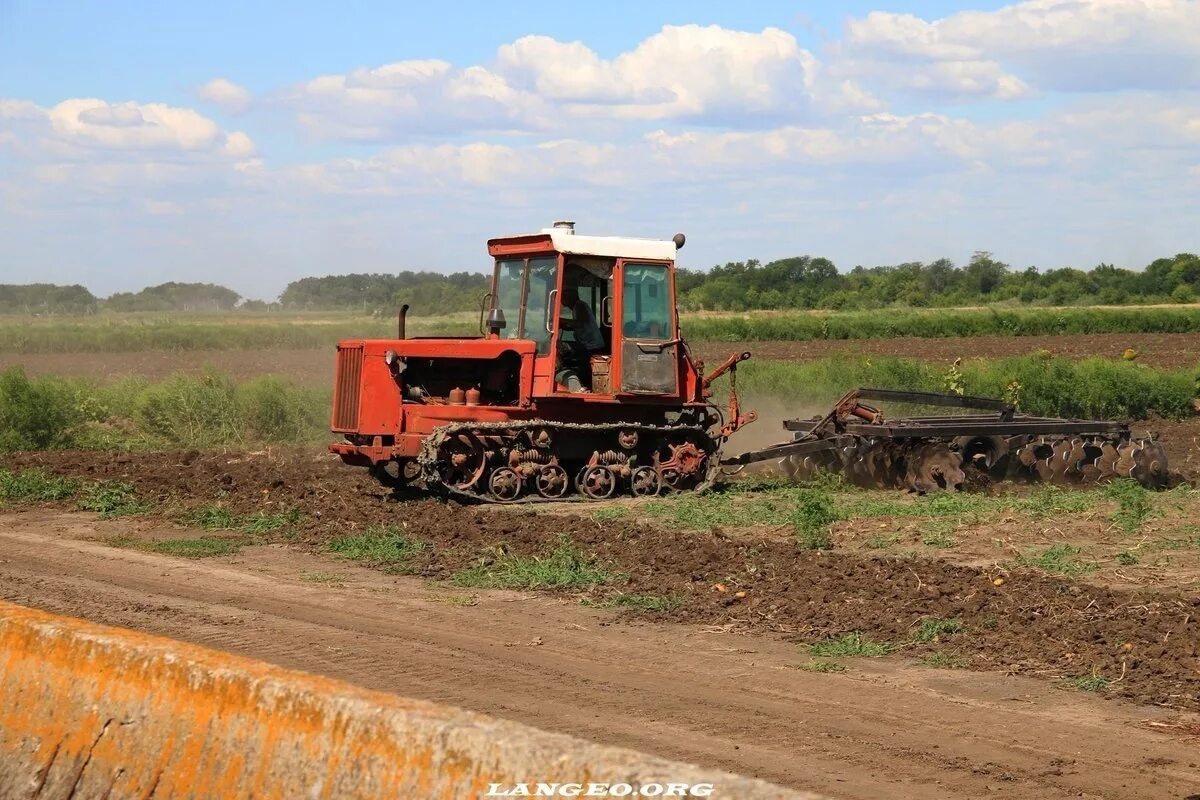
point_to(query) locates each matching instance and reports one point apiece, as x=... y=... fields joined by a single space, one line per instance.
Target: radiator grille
x=347 y=389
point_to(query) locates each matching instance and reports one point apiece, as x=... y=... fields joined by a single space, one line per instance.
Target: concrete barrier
x=88 y=711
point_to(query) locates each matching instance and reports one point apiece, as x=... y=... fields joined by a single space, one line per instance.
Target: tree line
x=75 y=300
x=801 y=282
x=808 y=282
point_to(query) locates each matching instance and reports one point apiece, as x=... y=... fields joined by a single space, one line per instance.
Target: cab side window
x=646 y=303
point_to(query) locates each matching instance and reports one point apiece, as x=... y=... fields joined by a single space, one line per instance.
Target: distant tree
x=427 y=292
x=175 y=297
x=46 y=298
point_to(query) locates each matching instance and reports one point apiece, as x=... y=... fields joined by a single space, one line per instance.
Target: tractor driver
x=575 y=356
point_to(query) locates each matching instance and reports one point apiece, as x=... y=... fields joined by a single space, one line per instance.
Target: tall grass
x=194 y=411
x=1093 y=387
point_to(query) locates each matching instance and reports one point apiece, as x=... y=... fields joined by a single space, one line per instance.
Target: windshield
x=526 y=306
x=509 y=274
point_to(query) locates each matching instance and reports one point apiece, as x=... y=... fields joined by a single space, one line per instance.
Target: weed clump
x=564 y=567
x=849 y=645
x=812 y=518
x=1089 y=683
x=935 y=630
x=1134 y=504
x=378 y=546
x=112 y=499
x=1060 y=559
x=35 y=486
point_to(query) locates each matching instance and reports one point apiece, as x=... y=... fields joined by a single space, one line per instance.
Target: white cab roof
x=611 y=246
x=565 y=241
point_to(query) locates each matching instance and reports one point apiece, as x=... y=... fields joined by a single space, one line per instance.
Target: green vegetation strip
x=1038 y=384
x=197 y=411
x=213 y=517
x=939 y=323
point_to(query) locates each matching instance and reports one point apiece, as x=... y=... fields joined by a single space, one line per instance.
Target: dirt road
x=885 y=729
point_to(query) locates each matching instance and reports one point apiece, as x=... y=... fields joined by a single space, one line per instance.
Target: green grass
x=610 y=513
x=849 y=645
x=564 y=567
x=945 y=659
x=35 y=486
x=204 y=547
x=935 y=630
x=954 y=323
x=823 y=665
x=881 y=542
x=937 y=536
x=1089 y=683
x=318 y=576
x=647 y=602
x=1060 y=559
x=456 y=599
x=214 y=517
x=378 y=546
x=1134 y=504
x=112 y=499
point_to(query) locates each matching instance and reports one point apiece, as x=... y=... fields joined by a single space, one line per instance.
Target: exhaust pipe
x=400 y=321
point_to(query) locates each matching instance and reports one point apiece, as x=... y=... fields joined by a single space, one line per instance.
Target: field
x=1035 y=642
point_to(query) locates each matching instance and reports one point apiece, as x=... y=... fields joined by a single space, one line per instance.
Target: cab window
x=538 y=313
x=646 y=303
x=523 y=293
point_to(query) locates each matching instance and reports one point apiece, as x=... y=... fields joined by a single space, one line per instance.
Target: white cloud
x=79 y=126
x=538 y=84
x=681 y=72
x=1037 y=45
x=410 y=97
x=225 y=94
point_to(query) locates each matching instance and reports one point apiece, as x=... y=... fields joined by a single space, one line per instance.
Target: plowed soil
x=1029 y=623
x=718 y=680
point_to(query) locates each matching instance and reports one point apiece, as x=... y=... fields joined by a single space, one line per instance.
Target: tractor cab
x=600 y=310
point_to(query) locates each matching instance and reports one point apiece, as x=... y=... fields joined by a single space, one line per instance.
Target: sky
x=251 y=144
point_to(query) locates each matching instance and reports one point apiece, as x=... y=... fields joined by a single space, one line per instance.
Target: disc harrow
x=923 y=454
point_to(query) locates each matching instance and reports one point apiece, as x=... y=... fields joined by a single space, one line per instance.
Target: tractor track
x=683 y=691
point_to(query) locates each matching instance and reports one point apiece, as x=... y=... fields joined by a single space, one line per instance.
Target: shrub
x=190 y=411
x=271 y=409
x=36 y=414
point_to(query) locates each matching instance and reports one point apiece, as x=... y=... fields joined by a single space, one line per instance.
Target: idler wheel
x=505 y=484
x=645 y=482
x=598 y=483
x=551 y=481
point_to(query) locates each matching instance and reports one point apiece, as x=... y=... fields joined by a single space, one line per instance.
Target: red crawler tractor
x=580 y=386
